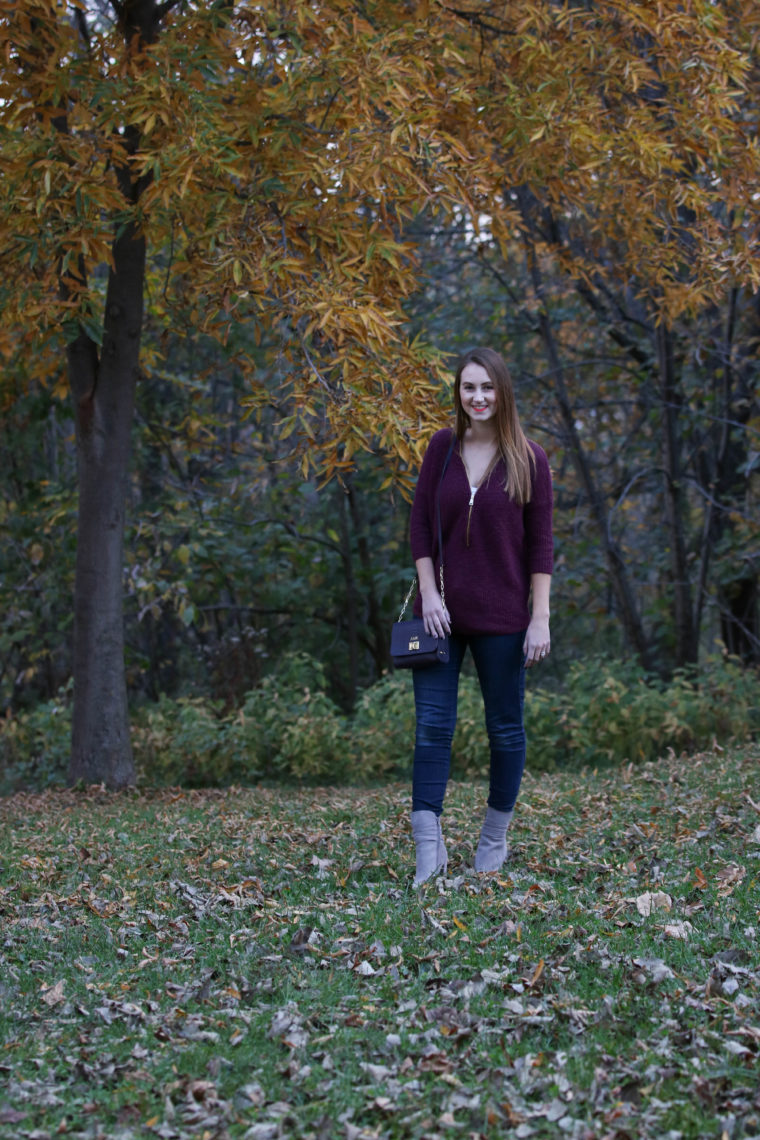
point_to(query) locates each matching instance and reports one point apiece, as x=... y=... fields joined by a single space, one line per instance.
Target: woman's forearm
x=426 y=575
x=540 y=585
x=434 y=613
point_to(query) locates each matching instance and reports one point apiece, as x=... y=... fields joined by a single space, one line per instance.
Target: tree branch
x=81 y=22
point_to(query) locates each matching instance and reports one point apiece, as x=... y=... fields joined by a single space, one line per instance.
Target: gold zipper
x=483 y=479
x=473 y=490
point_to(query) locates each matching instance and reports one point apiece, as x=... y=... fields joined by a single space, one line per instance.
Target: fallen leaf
x=537 y=973
x=679 y=930
x=657 y=970
x=11 y=1116
x=653 y=900
x=54 y=995
x=728 y=877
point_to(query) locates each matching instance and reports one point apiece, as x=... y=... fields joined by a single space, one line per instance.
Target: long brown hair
x=514 y=448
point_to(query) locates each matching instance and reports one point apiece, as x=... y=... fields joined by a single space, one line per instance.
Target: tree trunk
x=676 y=507
x=622 y=589
x=351 y=603
x=619 y=578
x=103 y=391
x=740 y=619
x=377 y=627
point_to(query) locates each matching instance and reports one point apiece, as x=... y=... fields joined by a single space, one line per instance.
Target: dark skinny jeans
x=501 y=671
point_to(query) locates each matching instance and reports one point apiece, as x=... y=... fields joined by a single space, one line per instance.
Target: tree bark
x=377 y=628
x=622 y=588
x=628 y=611
x=687 y=641
x=352 y=608
x=103 y=391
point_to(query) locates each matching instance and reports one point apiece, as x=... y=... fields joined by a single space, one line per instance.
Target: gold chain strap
x=408 y=596
x=411 y=590
x=440 y=539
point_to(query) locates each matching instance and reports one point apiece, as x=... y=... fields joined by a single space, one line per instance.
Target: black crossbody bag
x=411 y=646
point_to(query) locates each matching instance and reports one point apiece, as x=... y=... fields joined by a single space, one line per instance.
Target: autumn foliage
x=264 y=175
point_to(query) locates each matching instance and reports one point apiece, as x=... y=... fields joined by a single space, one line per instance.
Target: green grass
x=254 y=963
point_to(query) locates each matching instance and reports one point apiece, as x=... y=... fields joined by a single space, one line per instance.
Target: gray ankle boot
x=431 y=853
x=492 y=848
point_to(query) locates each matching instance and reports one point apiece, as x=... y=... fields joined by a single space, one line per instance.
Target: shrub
x=382 y=728
x=184 y=741
x=289 y=729
x=35 y=746
x=292 y=732
x=611 y=712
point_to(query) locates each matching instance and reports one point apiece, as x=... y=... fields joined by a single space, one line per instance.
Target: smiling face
x=477 y=394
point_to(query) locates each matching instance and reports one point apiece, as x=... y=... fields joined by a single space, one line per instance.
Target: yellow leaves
x=537 y=974
x=278 y=173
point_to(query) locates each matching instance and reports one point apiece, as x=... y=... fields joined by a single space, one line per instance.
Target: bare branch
x=80 y=21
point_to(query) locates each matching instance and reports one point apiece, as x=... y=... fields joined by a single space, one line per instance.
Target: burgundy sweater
x=486 y=573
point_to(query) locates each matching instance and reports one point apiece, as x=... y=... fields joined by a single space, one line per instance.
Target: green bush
x=382 y=728
x=289 y=729
x=35 y=746
x=292 y=732
x=606 y=712
x=286 y=728
x=612 y=712
x=185 y=742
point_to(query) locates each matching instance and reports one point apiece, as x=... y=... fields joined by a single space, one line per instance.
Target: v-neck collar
x=486 y=474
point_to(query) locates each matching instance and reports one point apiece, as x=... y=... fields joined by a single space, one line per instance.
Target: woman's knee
x=506 y=736
x=433 y=734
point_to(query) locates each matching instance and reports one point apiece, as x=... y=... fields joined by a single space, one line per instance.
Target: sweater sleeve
x=538 y=517
x=422 y=528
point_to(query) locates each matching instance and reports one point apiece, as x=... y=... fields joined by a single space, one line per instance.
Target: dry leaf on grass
x=54 y=994
x=651 y=901
x=679 y=930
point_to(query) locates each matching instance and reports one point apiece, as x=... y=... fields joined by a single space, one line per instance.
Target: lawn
x=255 y=963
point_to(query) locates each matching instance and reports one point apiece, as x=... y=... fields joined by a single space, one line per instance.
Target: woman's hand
x=435 y=615
x=537 y=641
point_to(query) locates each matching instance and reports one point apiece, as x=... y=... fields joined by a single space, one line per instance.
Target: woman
x=496 y=519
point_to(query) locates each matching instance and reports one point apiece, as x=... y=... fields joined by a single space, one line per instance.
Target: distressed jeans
x=501 y=671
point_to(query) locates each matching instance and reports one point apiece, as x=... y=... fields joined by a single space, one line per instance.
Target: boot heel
x=492 y=847
x=430 y=851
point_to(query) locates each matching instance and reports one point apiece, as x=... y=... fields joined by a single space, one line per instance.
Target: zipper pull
x=469 y=515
